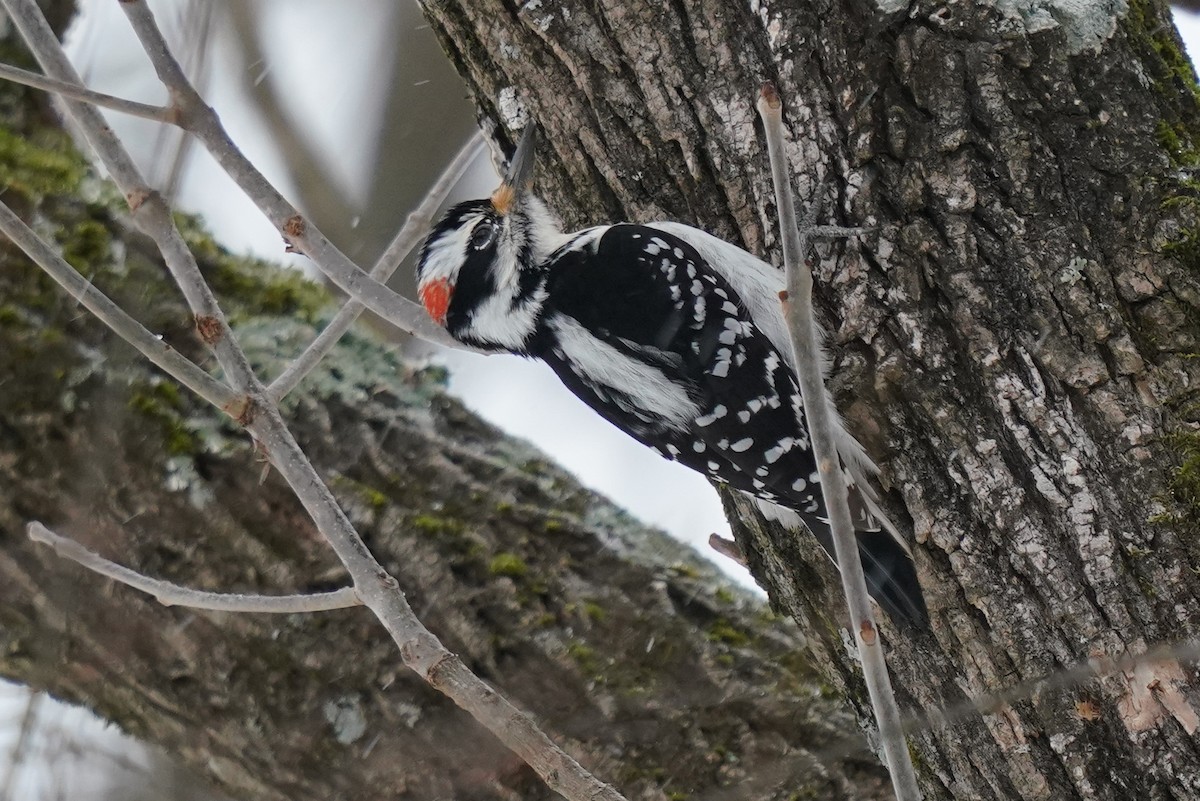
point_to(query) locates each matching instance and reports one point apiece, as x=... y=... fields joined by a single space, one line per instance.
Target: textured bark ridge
x=629 y=650
x=1015 y=342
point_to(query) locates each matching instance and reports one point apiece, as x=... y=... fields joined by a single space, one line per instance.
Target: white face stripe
x=645 y=386
x=587 y=238
x=498 y=322
x=448 y=253
x=502 y=319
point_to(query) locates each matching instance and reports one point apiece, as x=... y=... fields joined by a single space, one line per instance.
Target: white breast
x=654 y=396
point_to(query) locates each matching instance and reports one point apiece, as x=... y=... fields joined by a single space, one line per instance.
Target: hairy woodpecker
x=674 y=336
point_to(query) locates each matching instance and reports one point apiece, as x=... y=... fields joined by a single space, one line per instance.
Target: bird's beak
x=520 y=174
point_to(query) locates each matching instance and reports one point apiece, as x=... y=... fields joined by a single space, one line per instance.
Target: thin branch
x=171 y=361
x=727 y=548
x=805 y=337
x=198 y=118
x=415 y=226
x=169 y=594
x=80 y=92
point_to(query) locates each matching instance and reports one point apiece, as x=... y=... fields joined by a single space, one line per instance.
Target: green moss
x=1172 y=79
x=436 y=526
x=47 y=166
x=1147 y=26
x=251 y=285
x=919 y=764
x=435 y=374
x=265 y=288
x=374 y=497
x=552 y=526
x=508 y=564
x=368 y=495
x=160 y=402
x=1179 y=144
x=631 y=771
x=86 y=246
x=1183 y=487
x=685 y=570
x=594 y=611
x=724 y=595
x=805 y=794
x=584 y=656
x=723 y=631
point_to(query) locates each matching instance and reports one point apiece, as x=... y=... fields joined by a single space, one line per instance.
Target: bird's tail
x=887 y=565
x=892 y=578
x=886 y=557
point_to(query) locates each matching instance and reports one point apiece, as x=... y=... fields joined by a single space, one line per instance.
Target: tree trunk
x=630 y=651
x=1014 y=341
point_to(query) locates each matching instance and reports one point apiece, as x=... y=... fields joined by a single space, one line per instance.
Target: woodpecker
x=673 y=335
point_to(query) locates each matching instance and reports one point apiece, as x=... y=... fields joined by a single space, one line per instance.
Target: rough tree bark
x=1015 y=344
x=630 y=651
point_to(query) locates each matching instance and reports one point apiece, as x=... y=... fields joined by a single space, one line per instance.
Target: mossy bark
x=1015 y=343
x=627 y=648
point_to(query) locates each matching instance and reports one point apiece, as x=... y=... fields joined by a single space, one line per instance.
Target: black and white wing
x=642 y=328
x=656 y=341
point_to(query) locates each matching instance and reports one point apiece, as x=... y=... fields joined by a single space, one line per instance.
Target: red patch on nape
x=436 y=297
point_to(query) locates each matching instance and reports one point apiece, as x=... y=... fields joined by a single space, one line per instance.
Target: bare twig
x=153 y=348
x=79 y=92
x=378 y=590
x=727 y=548
x=169 y=594
x=420 y=219
x=805 y=337
x=417 y=223
x=301 y=234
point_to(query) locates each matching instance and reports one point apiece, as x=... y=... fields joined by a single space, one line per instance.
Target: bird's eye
x=483 y=235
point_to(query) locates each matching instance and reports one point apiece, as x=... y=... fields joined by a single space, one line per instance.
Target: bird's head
x=479 y=270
